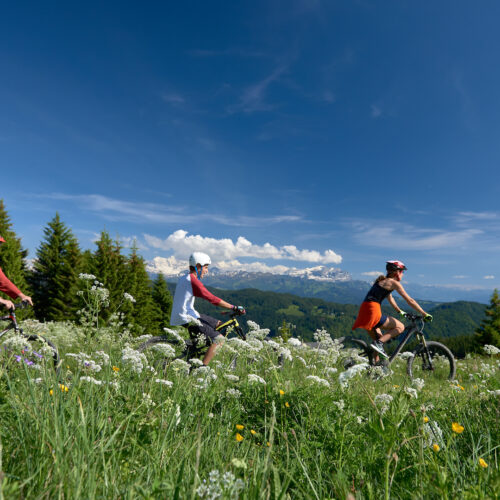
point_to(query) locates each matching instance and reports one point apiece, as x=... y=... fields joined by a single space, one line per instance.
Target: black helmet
x=394 y=265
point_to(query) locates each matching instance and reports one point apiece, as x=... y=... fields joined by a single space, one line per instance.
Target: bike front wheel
x=433 y=361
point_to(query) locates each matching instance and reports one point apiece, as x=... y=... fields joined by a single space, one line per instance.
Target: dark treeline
x=54 y=278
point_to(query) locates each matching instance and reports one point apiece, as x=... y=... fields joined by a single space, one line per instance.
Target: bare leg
x=393 y=328
x=210 y=354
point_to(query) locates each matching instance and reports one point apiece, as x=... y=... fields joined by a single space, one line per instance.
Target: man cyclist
x=10 y=289
x=188 y=287
x=370 y=315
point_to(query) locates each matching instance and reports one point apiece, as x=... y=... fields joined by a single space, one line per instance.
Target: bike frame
x=13 y=326
x=409 y=331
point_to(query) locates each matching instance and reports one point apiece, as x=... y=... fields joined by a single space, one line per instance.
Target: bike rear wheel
x=162 y=350
x=434 y=361
x=356 y=351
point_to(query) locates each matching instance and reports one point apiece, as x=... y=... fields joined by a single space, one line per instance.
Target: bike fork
x=426 y=355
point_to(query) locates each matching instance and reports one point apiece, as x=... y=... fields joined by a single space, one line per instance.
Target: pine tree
x=12 y=255
x=489 y=330
x=109 y=266
x=138 y=283
x=163 y=303
x=54 y=278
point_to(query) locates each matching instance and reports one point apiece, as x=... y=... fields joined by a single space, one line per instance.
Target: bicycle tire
x=353 y=343
x=442 y=364
x=55 y=353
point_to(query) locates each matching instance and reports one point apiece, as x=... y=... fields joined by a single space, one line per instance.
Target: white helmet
x=199 y=258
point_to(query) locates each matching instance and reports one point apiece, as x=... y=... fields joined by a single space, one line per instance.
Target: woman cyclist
x=370 y=315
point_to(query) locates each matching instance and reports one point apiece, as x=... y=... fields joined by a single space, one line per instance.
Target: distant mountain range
x=322 y=282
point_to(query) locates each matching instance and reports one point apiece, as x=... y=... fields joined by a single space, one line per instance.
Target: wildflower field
x=116 y=424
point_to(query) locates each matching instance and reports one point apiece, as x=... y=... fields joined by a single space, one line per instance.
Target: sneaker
x=379 y=347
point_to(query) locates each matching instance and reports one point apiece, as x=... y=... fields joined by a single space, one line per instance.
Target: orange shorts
x=368 y=316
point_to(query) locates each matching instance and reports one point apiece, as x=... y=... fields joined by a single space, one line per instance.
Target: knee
x=400 y=327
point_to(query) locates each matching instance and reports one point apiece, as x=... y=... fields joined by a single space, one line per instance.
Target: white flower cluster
x=231 y=377
x=406 y=355
x=340 y=405
x=166 y=383
x=176 y=336
x=383 y=401
x=433 y=434
x=220 y=486
x=491 y=350
x=411 y=392
x=418 y=383
x=294 y=342
x=86 y=362
x=255 y=379
x=164 y=349
x=135 y=359
x=350 y=373
x=129 y=297
x=180 y=366
x=256 y=332
x=86 y=277
x=318 y=380
x=234 y=393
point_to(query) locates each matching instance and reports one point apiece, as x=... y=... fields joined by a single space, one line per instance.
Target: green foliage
x=163 y=303
x=136 y=282
x=54 y=278
x=489 y=330
x=109 y=266
x=12 y=255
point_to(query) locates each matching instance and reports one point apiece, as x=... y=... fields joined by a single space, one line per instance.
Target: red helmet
x=394 y=265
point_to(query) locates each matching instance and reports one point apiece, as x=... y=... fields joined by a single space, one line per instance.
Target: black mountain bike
x=36 y=350
x=186 y=349
x=428 y=360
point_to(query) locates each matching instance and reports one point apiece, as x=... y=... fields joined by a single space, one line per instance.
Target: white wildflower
x=86 y=277
x=255 y=379
x=166 y=383
x=317 y=380
x=231 y=377
x=129 y=297
x=418 y=383
x=411 y=392
x=135 y=359
x=351 y=372
x=294 y=342
x=383 y=402
x=91 y=380
x=234 y=393
x=491 y=350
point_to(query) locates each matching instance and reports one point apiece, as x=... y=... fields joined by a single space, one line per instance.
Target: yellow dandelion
x=268 y=443
x=116 y=369
x=395 y=386
x=282 y=392
x=239 y=437
x=252 y=432
x=436 y=447
x=426 y=419
x=63 y=388
x=287 y=404
x=461 y=387
x=482 y=463
x=240 y=427
x=51 y=392
x=456 y=427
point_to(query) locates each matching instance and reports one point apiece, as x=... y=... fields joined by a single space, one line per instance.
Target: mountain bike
x=186 y=349
x=34 y=348
x=428 y=360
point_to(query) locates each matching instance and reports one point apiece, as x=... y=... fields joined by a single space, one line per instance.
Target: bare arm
x=411 y=302
x=391 y=300
x=225 y=304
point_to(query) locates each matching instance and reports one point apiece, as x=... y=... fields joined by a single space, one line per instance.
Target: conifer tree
x=489 y=330
x=12 y=255
x=54 y=277
x=138 y=284
x=163 y=302
x=109 y=266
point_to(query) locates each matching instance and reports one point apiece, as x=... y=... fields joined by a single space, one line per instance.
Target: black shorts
x=207 y=327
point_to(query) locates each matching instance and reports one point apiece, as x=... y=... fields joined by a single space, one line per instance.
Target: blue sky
x=269 y=133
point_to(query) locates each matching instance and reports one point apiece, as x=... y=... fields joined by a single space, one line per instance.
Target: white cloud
x=399 y=236
x=182 y=245
x=156 y=213
x=172 y=98
x=372 y=274
x=489 y=277
x=460 y=276
x=171 y=266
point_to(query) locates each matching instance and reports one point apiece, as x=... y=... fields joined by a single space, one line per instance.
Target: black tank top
x=377 y=294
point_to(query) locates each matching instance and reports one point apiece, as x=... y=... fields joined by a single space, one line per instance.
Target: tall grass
x=117 y=432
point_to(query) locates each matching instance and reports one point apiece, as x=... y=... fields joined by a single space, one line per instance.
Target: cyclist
x=10 y=289
x=188 y=287
x=370 y=315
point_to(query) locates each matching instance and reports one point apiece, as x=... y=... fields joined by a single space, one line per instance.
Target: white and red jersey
x=189 y=287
